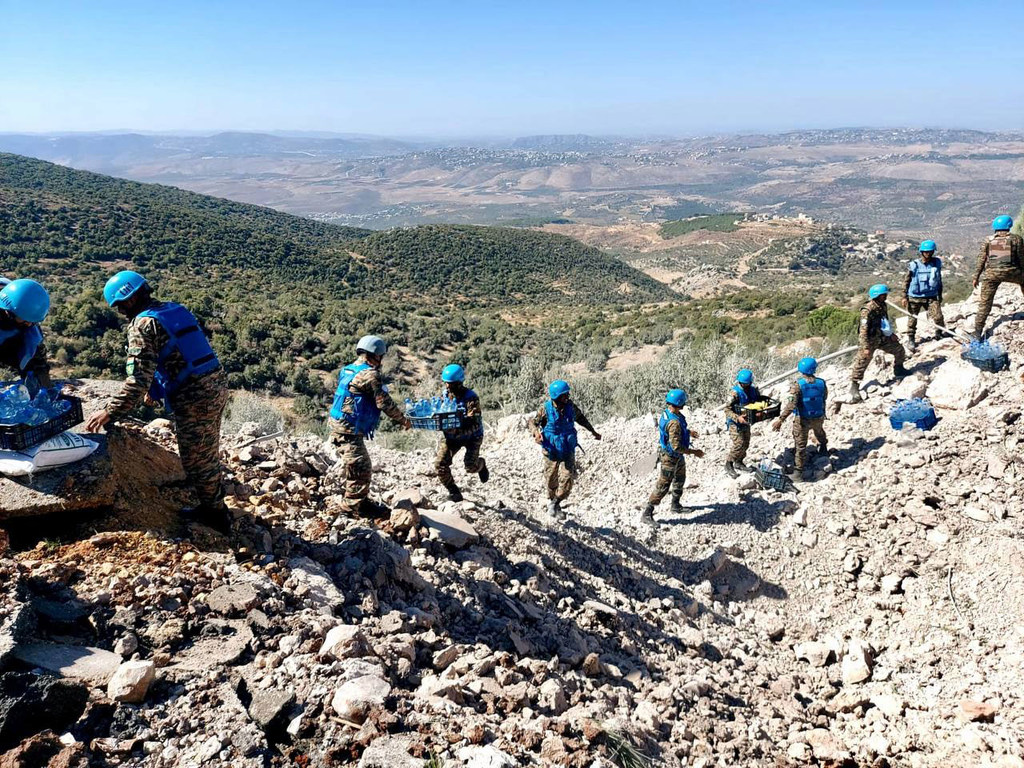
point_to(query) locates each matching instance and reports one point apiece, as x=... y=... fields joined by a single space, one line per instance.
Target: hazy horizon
x=457 y=70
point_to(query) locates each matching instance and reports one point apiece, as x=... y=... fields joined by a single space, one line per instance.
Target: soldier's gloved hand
x=597 y=436
x=150 y=401
x=697 y=452
x=694 y=433
x=539 y=439
x=776 y=425
x=97 y=421
x=406 y=424
x=974 y=283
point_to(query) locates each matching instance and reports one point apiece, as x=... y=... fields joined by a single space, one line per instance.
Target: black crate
x=771 y=478
x=770 y=411
x=18 y=437
x=439 y=422
x=991 y=364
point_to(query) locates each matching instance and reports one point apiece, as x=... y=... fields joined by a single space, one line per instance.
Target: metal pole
x=824 y=359
x=947 y=330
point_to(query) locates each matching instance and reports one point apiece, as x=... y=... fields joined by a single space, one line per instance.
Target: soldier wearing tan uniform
x=876 y=333
x=359 y=400
x=1001 y=261
x=922 y=291
x=807 y=397
x=468 y=437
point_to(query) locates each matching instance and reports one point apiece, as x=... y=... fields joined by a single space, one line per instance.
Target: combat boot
x=899 y=371
x=555 y=509
x=911 y=346
x=454 y=494
x=215 y=516
x=741 y=466
x=730 y=470
x=647 y=518
x=855 y=392
x=676 y=508
x=485 y=473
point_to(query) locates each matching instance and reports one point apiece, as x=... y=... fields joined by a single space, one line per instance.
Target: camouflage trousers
x=802 y=428
x=933 y=307
x=888 y=344
x=357 y=469
x=991 y=279
x=671 y=475
x=198 y=408
x=446 y=451
x=560 y=476
x=739 y=436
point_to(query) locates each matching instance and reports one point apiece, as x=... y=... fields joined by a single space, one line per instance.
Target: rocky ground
x=871 y=617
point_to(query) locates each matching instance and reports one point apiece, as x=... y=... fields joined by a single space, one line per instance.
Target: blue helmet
x=808 y=366
x=879 y=289
x=122 y=286
x=926 y=246
x=1001 y=222
x=453 y=373
x=676 y=397
x=557 y=389
x=27 y=300
x=745 y=376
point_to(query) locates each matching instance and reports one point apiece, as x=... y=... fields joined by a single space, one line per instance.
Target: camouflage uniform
x=872 y=339
x=351 y=447
x=915 y=306
x=559 y=475
x=1001 y=261
x=454 y=440
x=10 y=354
x=739 y=434
x=197 y=406
x=671 y=469
x=803 y=427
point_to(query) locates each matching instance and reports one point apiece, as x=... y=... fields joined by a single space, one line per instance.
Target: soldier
x=170 y=359
x=674 y=440
x=807 y=397
x=743 y=393
x=24 y=304
x=876 y=332
x=922 y=291
x=1001 y=261
x=469 y=436
x=360 y=399
x=554 y=429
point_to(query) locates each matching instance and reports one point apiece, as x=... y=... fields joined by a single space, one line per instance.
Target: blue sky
x=495 y=68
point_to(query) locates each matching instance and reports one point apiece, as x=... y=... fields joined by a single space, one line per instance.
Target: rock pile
x=872 y=618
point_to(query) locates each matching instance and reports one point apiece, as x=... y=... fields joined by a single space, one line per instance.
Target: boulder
x=909 y=388
x=391 y=752
x=355 y=699
x=957 y=386
x=319 y=586
x=485 y=757
x=450 y=528
x=269 y=709
x=232 y=599
x=131 y=681
x=344 y=641
x=857 y=663
x=32 y=703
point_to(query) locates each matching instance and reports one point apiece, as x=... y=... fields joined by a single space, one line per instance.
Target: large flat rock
x=78 y=662
x=122 y=459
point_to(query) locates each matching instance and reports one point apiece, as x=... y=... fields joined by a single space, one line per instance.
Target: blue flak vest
x=926 y=279
x=30 y=339
x=559 y=434
x=811 y=404
x=467 y=395
x=365 y=415
x=666 y=417
x=190 y=342
x=746 y=397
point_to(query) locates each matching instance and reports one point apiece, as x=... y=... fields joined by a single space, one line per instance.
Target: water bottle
x=408 y=405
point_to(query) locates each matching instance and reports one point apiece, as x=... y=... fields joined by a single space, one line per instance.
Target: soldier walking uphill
x=1001 y=261
x=24 y=304
x=876 y=332
x=170 y=359
x=743 y=393
x=360 y=399
x=674 y=441
x=922 y=291
x=807 y=398
x=554 y=429
x=469 y=436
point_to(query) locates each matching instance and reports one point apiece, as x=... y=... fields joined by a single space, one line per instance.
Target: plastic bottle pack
x=983 y=350
x=918 y=411
x=18 y=407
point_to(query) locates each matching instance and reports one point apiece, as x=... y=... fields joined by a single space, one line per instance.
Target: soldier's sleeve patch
x=130 y=367
x=863 y=321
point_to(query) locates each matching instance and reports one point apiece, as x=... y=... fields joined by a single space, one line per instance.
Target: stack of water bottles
x=26 y=420
x=436 y=413
x=986 y=355
x=917 y=412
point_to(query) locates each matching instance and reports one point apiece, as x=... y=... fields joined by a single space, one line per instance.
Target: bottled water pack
x=441 y=404
x=917 y=412
x=983 y=350
x=18 y=407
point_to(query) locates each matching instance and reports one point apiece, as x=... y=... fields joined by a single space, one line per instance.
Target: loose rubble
x=872 y=618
